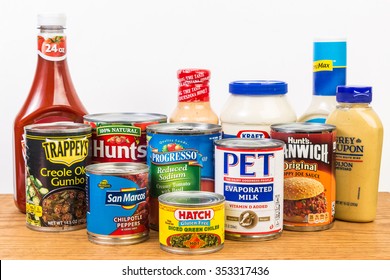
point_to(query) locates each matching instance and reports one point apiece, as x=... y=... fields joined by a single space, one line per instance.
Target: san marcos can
x=117 y=203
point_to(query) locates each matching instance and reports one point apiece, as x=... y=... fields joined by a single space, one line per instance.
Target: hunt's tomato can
x=309 y=175
x=180 y=158
x=120 y=137
x=56 y=156
x=249 y=173
x=117 y=203
x=191 y=222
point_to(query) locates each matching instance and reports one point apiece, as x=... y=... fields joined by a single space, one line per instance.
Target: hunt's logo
x=67 y=151
x=322 y=65
x=194 y=217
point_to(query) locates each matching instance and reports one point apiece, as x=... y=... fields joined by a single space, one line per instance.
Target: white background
x=123 y=55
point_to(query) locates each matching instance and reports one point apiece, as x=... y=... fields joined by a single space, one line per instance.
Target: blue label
x=174 y=149
x=329 y=67
x=317 y=120
x=112 y=204
x=248 y=193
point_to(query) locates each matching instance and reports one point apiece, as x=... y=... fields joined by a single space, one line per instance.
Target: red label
x=52 y=47
x=119 y=142
x=194 y=93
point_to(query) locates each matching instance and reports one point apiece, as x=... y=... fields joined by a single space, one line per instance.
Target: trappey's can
x=180 y=158
x=249 y=173
x=309 y=175
x=120 y=137
x=56 y=156
x=191 y=222
x=117 y=203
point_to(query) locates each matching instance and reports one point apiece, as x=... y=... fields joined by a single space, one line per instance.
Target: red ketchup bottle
x=52 y=96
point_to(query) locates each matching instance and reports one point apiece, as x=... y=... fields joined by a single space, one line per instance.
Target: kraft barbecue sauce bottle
x=52 y=95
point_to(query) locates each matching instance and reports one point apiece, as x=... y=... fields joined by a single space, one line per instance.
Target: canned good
x=249 y=173
x=181 y=158
x=120 y=137
x=117 y=203
x=56 y=156
x=309 y=175
x=191 y=222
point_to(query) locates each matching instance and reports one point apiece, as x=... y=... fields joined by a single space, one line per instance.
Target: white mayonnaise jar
x=253 y=105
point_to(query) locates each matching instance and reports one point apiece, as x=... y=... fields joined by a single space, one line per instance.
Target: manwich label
x=309 y=182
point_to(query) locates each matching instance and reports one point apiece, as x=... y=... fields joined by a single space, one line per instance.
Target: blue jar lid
x=258 y=87
x=354 y=94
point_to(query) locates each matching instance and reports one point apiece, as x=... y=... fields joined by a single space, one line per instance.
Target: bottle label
x=329 y=67
x=52 y=47
x=194 y=93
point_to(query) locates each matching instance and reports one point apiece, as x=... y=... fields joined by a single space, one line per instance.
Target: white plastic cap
x=51 y=19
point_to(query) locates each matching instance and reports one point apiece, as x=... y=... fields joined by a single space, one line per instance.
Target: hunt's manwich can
x=309 y=180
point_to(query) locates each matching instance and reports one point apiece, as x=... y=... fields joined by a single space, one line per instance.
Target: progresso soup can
x=309 y=175
x=180 y=158
x=56 y=157
x=120 y=137
x=191 y=222
x=117 y=203
x=249 y=173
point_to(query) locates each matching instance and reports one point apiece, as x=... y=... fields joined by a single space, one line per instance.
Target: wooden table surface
x=350 y=241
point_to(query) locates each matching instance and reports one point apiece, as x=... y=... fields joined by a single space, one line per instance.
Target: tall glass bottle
x=194 y=99
x=329 y=71
x=52 y=95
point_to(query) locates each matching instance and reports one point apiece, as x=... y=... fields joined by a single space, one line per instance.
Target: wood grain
x=352 y=241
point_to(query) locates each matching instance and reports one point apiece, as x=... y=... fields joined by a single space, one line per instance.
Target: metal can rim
x=303 y=127
x=249 y=144
x=184 y=128
x=187 y=199
x=117 y=168
x=125 y=117
x=58 y=128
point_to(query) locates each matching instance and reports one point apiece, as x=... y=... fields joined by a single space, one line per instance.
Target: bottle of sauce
x=329 y=71
x=52 y=96
x=194 y=98
x=358 y=154
x=252 y=106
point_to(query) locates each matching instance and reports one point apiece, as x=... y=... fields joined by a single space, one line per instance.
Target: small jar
x=253 y=106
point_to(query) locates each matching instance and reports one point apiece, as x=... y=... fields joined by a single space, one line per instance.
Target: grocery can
x=249 y=173
x=117 y=203
x=56 y=156
x=191 y=222
x=309 y=175
x=180 y=158
x=120 y=137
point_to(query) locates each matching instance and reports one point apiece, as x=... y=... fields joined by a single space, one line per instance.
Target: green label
x=118 y=129
x=174 y=177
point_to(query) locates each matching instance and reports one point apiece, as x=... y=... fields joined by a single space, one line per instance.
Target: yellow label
x=322 y=65
x=66 y=151
x=192 y=228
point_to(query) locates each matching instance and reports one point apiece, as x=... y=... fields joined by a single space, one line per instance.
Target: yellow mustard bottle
x=194 y=98
x=358 y=154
